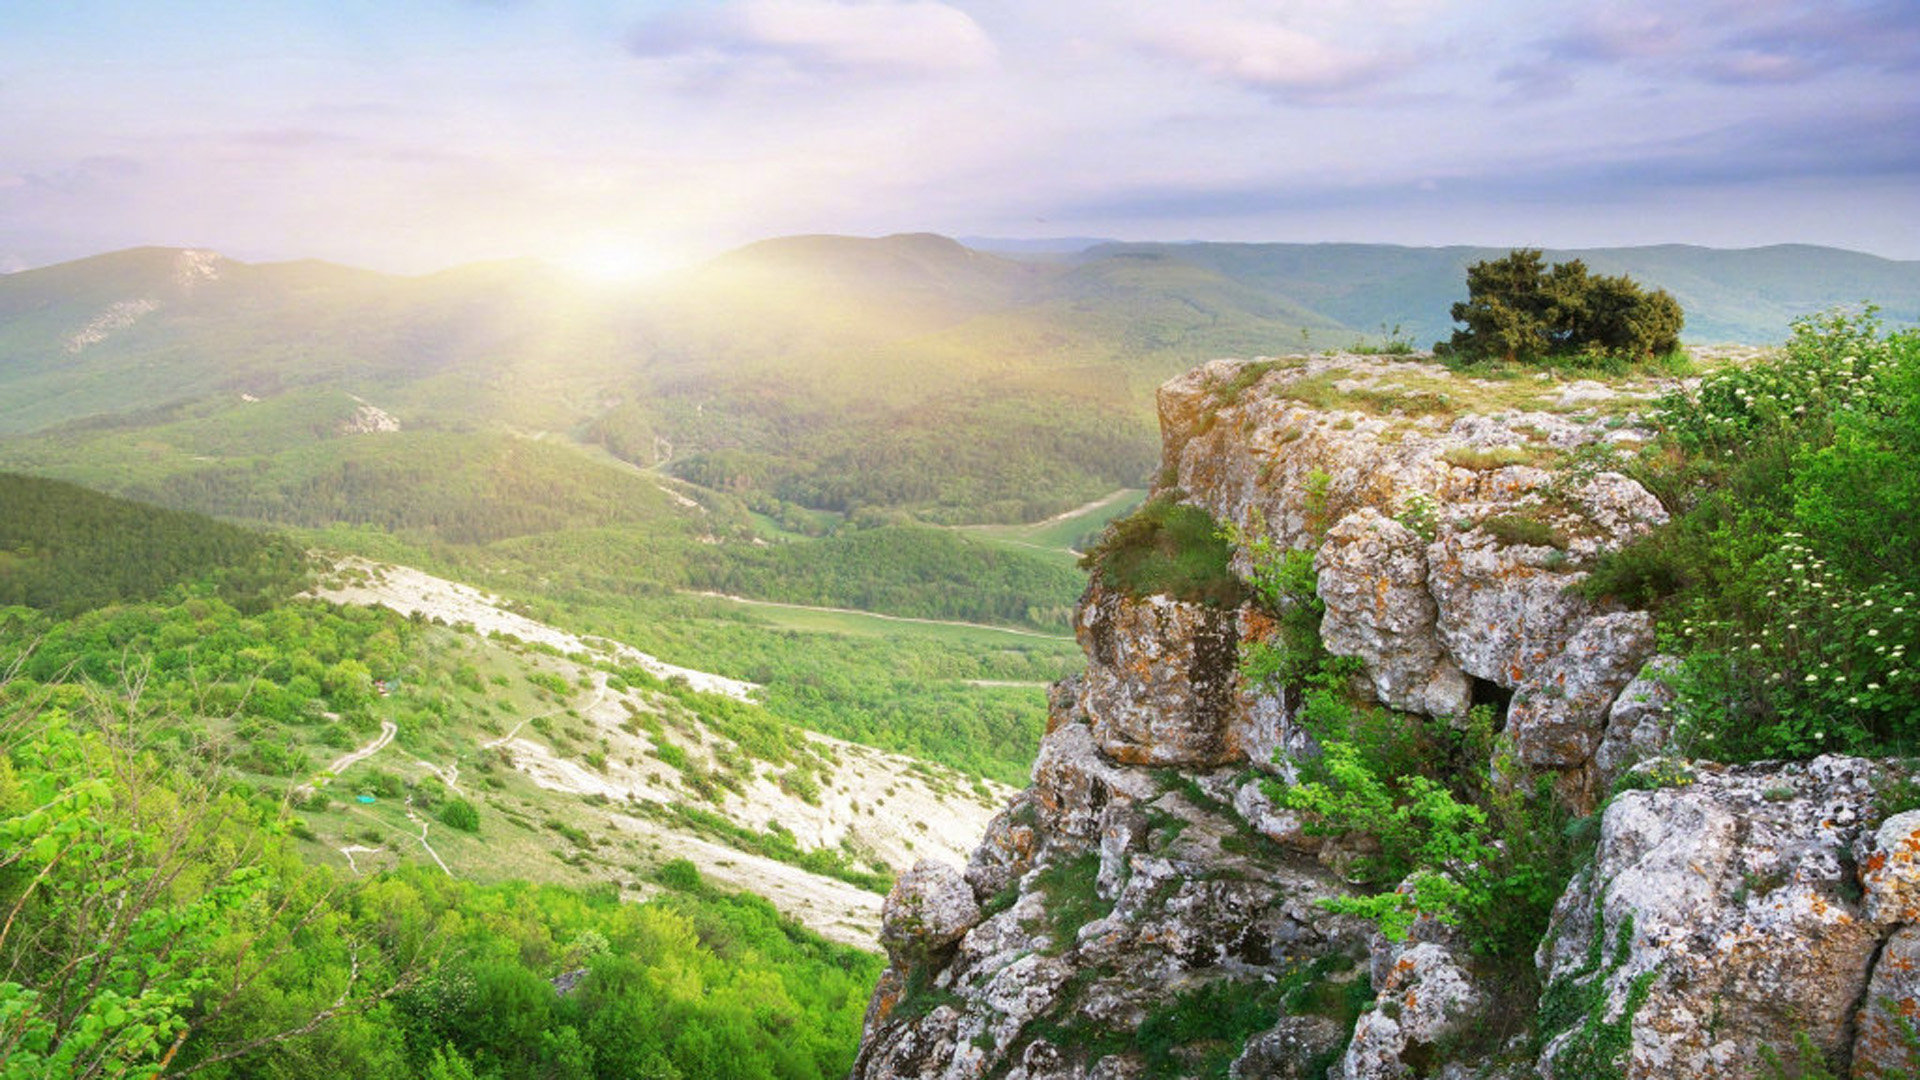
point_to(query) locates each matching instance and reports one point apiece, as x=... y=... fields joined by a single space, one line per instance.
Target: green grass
x=1168 y=547
x=1070 y=534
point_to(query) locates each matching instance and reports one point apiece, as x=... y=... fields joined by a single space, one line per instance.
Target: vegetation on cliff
x=1520 y=311
x=1789 y=578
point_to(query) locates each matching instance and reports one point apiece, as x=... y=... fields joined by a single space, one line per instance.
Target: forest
x=165 y=916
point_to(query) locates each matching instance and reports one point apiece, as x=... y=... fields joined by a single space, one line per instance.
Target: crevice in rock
x=1850 y=1031
x=1492 y=694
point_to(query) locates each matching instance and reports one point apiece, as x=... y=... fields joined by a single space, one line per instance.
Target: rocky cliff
x=1151 y=906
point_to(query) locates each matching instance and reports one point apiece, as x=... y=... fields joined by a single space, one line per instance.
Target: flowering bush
x=1789 y=576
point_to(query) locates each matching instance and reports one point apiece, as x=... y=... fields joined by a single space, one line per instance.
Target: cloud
x=1264 y=53
x=894 y=36
x=1736 y=41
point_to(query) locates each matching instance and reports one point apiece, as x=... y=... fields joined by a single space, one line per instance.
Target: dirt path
x=599 y=695
x=388 y=729
x=877 y=615
x=415 y=818
x=1100 y=503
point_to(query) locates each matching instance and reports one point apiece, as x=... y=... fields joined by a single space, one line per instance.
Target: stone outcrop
x=1150 y=907
x=1723 y=917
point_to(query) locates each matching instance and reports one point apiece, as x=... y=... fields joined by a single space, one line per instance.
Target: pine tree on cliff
x=1519 y=310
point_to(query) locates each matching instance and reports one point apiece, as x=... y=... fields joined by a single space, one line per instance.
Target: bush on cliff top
x=1789 y=577
x=1167 y=547
x=1519 y=311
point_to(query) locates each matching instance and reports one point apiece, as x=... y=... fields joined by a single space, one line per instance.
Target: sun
x=612 y=263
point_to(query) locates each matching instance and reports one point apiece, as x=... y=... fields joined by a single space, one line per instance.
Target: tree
x=1522 y=311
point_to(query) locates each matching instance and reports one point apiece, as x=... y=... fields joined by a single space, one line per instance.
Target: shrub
x=1508 y=530
x=1520 y=311
x=1167 y=547
x=460 y=814
x=1789 y=577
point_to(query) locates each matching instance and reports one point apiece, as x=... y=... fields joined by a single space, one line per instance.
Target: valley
x=691 y=618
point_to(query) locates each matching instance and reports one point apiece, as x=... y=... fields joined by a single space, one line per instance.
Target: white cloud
x=893 y=35
x=1305 y=55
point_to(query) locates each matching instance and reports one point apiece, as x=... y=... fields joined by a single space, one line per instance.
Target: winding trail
x=876 y=615
x=416 y=819
x=388 y=729
x=599 y=695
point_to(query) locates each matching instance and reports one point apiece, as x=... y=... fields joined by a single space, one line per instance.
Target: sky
x=622 y=136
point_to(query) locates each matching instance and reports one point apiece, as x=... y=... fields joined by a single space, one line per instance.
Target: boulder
x=1883 y=1046
x=1890 y=874
x=1639 y=722
x=930 y=908
x=1161 y=685
x=1719 y=918
x=1373 y=579
x=1559 y=715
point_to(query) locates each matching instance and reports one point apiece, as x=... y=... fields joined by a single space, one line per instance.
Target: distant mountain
x=1749 y=295
x=908 y=372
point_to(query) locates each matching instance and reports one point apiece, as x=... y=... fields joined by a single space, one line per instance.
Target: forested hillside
x=66 y=549
x=173 y=850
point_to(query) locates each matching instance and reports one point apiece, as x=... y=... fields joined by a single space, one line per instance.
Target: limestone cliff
x=1146 y=909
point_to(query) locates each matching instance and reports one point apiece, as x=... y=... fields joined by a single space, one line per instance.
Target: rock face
x=1723 y=917
x=1148 y=908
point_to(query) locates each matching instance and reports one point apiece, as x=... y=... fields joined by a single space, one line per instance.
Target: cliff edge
x=1183 y=890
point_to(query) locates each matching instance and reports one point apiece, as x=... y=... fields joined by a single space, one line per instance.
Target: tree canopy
x=1521 y=311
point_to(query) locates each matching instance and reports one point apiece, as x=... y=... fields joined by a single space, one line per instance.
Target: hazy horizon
x=624 y=135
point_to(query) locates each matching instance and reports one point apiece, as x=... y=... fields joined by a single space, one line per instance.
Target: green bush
x=1520 y=311
x=460 y=814
x=1167 y=547
x=1789 y=577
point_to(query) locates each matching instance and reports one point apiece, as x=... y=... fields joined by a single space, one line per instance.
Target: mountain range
x=909 y=372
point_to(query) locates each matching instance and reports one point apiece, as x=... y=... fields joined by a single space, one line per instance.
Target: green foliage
x=1577 y=1002
x=1169 y=547
x=1789 y=575
x=899 y=569
x=460 y=814
x=1519 y=311
x=1285 y=584
x=1073 y=897
x=65 y=549
x=158 y=924
x=1523 y=529
x=773 y=843
x=1444 y=839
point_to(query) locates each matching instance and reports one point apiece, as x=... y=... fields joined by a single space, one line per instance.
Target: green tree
x=460 y=814
x=1520 y=310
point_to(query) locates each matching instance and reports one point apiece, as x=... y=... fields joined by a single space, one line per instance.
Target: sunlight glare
x=615 y=264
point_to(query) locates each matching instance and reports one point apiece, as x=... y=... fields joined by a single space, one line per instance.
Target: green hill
x=907 y=372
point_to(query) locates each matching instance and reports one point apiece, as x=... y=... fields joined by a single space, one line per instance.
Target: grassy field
x=1065 y=534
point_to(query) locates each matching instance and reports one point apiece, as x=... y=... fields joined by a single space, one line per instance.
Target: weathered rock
x=1073 y=782
x=1720 y=916
x=1424 y=997
x=1123 y=831
x=1162 y=684
x=1373 y=579
x=1006 y=851
x=1680 y=927
x=1269 y=819
x=1890 y=874
x=1501 y=612
x=1639 y=722
x=929 y=909
x=1290 y=1050
x=1890 y=1013
x=1262 y=729
x=1559 y=713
